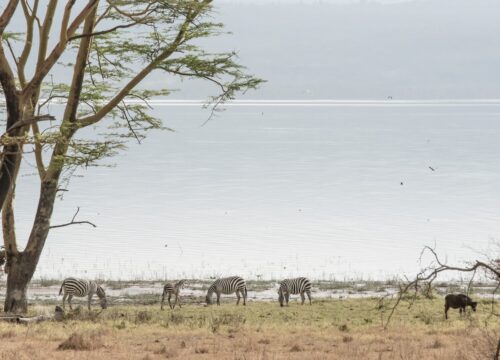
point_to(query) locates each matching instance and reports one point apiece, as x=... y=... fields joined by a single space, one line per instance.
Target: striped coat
x=77 y=287
x=229 y=285
x=172 y=289
x=294 y=286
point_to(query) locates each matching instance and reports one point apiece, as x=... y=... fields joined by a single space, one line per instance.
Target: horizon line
x=307 y=102
x=322 y=102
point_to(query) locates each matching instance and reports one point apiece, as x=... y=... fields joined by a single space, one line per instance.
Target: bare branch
x=11 y=50
x=429 y=274
x=102 y=32
x=73 y=222
x=7 y=14
x=54 y=56
x=28 y=44
x=30 y=121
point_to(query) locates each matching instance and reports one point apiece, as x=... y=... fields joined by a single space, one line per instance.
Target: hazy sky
x=419 y=49
x=356 y=49
x=314 y=1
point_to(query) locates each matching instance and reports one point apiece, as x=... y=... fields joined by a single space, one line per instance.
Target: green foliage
x=12 y=36
x=130 y=37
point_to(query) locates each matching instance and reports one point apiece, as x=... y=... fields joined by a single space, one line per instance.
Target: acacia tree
x=113 y=45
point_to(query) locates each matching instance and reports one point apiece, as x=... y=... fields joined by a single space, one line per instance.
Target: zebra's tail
x=61 y=289
x=245 y=291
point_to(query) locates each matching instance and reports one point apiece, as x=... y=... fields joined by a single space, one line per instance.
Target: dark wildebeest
x=459 y=301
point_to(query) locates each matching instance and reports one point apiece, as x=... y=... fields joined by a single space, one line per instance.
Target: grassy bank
x=330 y=329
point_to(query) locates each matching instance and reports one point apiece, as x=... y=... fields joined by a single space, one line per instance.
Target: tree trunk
x=10 y=153
x=21 y=271
x=22 y=265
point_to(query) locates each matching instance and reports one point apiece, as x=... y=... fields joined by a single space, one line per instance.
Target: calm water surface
x=328 y=192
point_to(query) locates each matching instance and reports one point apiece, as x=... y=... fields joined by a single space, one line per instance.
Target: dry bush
x=483 y=346
x=296 y=348
x=121 y=325
x=166 y=352
x=201 y=350
x=82 y=341
x=7 y=334
x=235 y=321
x=143 y=317
x=80 y=314
x=347 y=339
x=344 y=327
x=436 y=344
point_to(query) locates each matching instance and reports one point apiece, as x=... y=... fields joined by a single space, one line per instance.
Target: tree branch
x=46 y=65
x=73 y=222
x=30 y=121
x=144 y=72
x=7 y=14
x=38 y=150
x=430 y=274
x=102 y=32
x=30 y=20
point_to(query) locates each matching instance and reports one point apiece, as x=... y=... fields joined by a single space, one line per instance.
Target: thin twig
x=73 y=222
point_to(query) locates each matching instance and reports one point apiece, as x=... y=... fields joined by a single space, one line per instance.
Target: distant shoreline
x=312 y=102
x=148 y=292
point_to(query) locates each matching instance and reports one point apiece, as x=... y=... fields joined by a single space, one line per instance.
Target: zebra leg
x=218 y=299
x=244 y=297
x=64 y=300
x=162 y=300
x=177 y=300
x=303 y=298
x=69 y=302
x=287 y=298
x=169 y=302
x=89 y=300
x=309 y=297
x=238 y=296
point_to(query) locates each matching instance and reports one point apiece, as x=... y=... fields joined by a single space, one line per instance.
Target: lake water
x=331 y=192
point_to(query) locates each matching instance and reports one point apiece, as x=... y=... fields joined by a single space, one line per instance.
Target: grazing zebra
x=229 y=285
x=299 y=285
x=172 y=289
x=75 y=287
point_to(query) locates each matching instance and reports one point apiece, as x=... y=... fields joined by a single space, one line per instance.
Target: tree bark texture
x=22 y=265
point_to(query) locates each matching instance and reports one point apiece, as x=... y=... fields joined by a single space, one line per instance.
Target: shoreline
x=145 y=292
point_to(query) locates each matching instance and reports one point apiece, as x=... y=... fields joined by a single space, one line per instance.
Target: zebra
x=172 y=289
x=76 y=287
x=298 y=285
x=229 y=285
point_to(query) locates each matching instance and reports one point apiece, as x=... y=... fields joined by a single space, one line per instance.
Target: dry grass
x=82 y=341
x=349 y=329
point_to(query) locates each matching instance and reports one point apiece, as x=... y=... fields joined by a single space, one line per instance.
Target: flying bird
x=430 y=167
